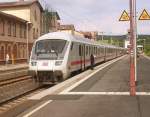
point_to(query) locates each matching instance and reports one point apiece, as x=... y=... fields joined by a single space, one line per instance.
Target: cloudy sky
x=98 y=15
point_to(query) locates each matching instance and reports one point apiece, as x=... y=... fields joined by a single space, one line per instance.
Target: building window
x=20 y=30
x=37 y=32
x=2 y=27
x=9 y=28
x=14 y=29
x=35 y=15
x=25 y=32
x=34 y=35
x=2 y=53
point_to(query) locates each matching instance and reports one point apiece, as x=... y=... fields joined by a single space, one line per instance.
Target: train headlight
x=57 y=63
x=33 y=63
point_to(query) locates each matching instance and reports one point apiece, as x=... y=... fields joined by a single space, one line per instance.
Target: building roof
x=67 y=27
x=57 y=15
x=12 y=17
x=20 y=3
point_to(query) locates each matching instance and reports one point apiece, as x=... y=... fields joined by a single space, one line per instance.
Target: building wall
x=67 y=31
x=31 y=13
x=12 y=40
x=54 y=24
x=22 y=12
x=78 y=33
x=36 y=19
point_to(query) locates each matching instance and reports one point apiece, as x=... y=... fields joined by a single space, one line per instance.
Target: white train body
x=59 y=54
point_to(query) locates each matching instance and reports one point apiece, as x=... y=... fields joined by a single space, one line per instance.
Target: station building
x=12 y=38
x=22 y=22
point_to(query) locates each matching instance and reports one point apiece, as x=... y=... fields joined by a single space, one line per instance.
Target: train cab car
x=56 y=55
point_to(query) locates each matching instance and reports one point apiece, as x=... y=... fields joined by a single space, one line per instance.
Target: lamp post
x=27 y=33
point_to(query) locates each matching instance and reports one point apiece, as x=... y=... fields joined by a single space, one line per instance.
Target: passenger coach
x=56 y=55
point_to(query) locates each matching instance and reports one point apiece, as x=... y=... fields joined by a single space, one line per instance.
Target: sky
x=97 y=15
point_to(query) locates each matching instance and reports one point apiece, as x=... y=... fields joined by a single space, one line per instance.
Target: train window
x=86 y=50
x=96 y=51
x=79 y=50
x=71 y=45
x=92 y=50
x=102 y=51
x=89 y=50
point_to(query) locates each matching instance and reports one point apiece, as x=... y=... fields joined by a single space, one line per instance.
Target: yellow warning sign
x=124 y=16
x=144 y=15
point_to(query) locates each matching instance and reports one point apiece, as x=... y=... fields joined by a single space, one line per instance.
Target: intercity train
x=56 y=55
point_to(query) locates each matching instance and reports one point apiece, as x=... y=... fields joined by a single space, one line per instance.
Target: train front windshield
x=50 y=49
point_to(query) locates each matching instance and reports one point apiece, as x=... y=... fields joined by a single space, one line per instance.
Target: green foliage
x=145 y=41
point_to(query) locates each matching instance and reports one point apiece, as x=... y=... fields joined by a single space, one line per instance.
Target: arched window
x=15 y=51
x=9 y=51
x=2 y=56
x=2 y=25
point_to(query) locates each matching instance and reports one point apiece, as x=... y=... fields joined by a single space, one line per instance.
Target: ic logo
x=45 y=64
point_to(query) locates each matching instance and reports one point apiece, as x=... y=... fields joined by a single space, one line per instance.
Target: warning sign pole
x=135 y=42
x=132 y=50
x=132 y=66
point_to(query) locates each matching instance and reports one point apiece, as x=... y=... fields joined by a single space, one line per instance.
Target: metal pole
x=135 y=41
x=27 y=51
x=132 y=66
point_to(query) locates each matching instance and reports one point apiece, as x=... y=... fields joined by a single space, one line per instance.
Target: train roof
x=70 y=37
x=65 y=36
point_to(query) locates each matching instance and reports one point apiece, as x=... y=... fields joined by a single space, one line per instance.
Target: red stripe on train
x=82 y=61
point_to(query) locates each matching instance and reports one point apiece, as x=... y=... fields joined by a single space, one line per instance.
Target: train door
x=84 y=52
x=82 y=56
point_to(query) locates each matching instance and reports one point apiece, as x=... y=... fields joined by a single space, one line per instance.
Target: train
x=56 y=55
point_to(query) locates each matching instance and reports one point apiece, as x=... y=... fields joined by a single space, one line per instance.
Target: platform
x=102 y=93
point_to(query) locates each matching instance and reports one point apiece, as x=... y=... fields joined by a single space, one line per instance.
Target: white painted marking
x=86 y=78
x=38 y=108
x=143 y=93
x=96 y=93
x=106 y=93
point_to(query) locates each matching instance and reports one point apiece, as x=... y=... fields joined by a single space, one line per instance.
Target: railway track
x=22 y=88
x=13 y=80
x=9 y=104
x=14 y=88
